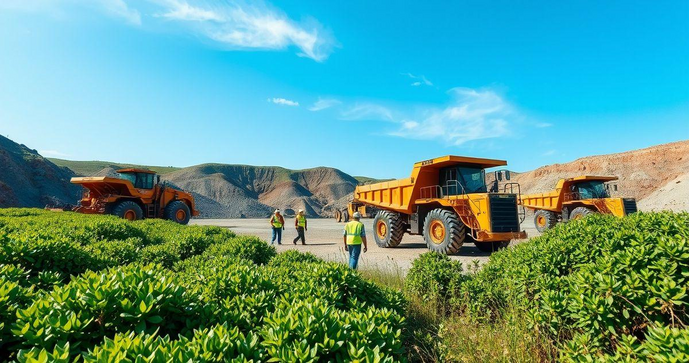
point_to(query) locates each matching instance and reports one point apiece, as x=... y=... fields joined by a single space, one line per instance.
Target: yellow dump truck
x=575 y=198
x=446 y=200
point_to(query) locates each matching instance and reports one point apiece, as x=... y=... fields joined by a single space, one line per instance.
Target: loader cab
x=140 y=178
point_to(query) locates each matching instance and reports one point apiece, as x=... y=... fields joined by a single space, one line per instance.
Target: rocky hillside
x=29 y=180
x=254 y=191
x=657 y=176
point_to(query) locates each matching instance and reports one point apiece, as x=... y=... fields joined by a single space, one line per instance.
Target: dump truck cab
x=135 y=194
x=575 y=198
x=448 y=201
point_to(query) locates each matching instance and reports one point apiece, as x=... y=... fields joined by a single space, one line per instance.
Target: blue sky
x=365 y=86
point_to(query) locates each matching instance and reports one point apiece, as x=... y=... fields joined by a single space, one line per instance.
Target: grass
x=461 y=338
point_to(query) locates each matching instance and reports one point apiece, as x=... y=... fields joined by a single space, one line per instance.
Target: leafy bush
x=13 y=297
x=143 y=299
x=247 y=247
x=291 y=257
x=600 y=286
x=434 y=277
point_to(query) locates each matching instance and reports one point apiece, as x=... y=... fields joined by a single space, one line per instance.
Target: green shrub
x=247 y=247
x=434 y=277
x=14 y=296
x=592 y=283
x=143 y=299
x=165 y=254
x=291 y=257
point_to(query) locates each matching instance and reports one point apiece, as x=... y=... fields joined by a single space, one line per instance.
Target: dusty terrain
x=324 y=239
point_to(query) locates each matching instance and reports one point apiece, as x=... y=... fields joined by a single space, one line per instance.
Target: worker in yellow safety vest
x=354 y=237
x=277 y=222
x=300 y=225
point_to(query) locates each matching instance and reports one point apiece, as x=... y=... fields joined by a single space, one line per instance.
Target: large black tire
x=579 y=213
x=544 y=220
x=345 y=216
x=128 y=210
x=443 y=231
x=388 y=229
x=338 y=216
x=491 y=246
x=177 y=211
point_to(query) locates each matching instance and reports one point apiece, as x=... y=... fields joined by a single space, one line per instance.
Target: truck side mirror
x=614 y=187
x=498 y=176
x=157 y=179
x=507 y=175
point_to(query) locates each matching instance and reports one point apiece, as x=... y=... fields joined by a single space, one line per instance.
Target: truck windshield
x=457 y=180
x=592 y=190
x=130 y=177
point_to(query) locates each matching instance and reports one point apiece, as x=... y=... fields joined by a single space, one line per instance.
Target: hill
x=657 y=176
x=89 y=168
x=30 y=180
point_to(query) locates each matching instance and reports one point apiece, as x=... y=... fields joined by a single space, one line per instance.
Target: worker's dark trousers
x=277 y=233
x=300 y=234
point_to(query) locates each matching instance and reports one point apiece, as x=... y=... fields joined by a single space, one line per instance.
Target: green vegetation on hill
x=86 y=168
x=97 y=289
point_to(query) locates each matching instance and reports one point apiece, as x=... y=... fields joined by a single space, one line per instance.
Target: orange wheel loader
x=135 y=194
x=575 y=198
x=446 y=200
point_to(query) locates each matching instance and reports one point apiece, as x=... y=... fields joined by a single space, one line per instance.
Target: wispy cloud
x=471 y=115
x=419 y=80
x=368 y=111
x=283 y=102
x=324 y=103
x=53 y=153
x=549 y=152
x=250 y=25
x=543 y=124
x=231 y=24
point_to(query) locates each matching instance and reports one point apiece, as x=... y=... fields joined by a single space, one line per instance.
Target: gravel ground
x=324 y=239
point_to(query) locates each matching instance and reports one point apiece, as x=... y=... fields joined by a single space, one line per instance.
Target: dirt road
x=324 y=239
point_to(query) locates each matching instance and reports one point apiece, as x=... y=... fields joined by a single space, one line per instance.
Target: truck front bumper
x=484 y=236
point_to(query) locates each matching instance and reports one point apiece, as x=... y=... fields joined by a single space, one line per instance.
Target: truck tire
x=579 y=213
x=388 y=229
x=491 y=246
x=128 y=210
x=177 y=211
x=443 y=231
x=345 y=216
x=338 y=216
x=544 y=220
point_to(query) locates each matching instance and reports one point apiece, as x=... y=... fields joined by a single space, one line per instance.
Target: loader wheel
x=544 y=220
x=177 y=211
x=388 y=229
x=491 y=246
x=345 y=216
x=338 y=216
x=128 y=210
x=579 y=213
x=443 y=231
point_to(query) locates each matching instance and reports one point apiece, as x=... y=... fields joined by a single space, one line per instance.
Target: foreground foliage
x=96 y=288
x=601 y=288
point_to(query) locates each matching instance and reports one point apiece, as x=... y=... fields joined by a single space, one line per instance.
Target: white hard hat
x=356 y=215
x=301 y=211
x=277 y=211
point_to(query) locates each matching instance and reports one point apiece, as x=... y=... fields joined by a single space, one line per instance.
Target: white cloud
x=549 y=153
x=231 y=24
x=421 y=80
x=543 y=124
x=52 y=153
x=324 y=103
x=250 y=25
x=368 y=111
x=283 y=101
x=471 y=115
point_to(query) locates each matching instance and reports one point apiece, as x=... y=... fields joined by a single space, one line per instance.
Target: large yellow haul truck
x=446 y=199
x=575 y=198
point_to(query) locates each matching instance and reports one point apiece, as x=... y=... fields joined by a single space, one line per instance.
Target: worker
x=300 y=225
x=354 y=236
x=277 y=222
